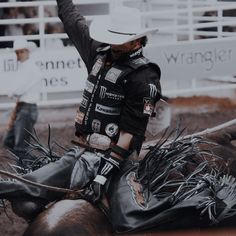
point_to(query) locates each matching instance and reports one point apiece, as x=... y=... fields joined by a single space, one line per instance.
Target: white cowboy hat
x=23 y=44
x=122 y=26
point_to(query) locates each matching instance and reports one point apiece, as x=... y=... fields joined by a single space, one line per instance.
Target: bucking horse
x=178 y=182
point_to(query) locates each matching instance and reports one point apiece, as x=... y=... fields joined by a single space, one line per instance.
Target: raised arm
x=78 y=31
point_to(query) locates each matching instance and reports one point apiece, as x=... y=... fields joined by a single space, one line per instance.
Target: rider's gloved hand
x=108 y=167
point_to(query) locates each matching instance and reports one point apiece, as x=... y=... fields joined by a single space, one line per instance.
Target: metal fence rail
x=184 y=17
x=179 y=22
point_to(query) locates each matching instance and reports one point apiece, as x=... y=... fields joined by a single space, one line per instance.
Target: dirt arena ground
x=195 y=113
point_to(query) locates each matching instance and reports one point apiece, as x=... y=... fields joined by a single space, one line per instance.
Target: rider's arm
x=142 y=91
x=109 y=165
x=78 y=31
x=124 y=143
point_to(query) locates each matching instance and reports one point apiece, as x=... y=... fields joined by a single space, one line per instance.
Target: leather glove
x=109 y=165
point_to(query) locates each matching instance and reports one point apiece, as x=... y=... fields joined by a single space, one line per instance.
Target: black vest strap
x=120 y=151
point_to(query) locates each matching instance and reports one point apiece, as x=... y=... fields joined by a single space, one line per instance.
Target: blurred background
x=194 y=46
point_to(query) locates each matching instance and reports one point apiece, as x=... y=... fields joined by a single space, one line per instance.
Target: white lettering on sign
x=62 y=70
x=9 y=65
x=54 y=82
x=59 y=64
x=208 y=58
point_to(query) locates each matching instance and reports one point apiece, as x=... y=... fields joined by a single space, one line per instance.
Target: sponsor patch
x=153 y=90
x=112 y=111
x=112 y=75
x=96 y=126
x=96 y=67
x=89 y=86
x=111 y=130
x=107 y=168
x=136 y=190
x=138 y=52
x=84 y=102
x=103 y=93
x=113 y=96
x=148 y=106
x=140 y=61
x=79 y=117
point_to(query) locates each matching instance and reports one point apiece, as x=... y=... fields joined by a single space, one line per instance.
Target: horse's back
x=72 y=218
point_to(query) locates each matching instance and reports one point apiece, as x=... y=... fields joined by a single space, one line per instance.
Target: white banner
x=62 y=70
x=197 y=59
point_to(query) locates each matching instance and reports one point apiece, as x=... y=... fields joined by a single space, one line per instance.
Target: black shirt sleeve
x=142 y=91
x=78 y=31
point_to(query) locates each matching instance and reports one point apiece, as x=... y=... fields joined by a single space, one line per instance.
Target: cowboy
x=25 y=91
x=123 y=84
x=120 y=94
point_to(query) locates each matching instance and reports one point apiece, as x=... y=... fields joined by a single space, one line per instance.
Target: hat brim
x=99 y=31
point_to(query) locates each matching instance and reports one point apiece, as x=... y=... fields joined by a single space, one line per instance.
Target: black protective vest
x=104 y=95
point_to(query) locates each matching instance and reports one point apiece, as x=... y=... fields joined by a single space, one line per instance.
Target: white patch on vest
x=89 y=86
x=107 y=110
x=96 y=125
x=139 y=61
x=96 y=68
x=111 y=129
x=84 y=102
x=112 y=75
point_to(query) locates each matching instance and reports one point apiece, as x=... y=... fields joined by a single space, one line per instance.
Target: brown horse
x=78 y=217
x=72 y=218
